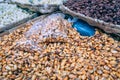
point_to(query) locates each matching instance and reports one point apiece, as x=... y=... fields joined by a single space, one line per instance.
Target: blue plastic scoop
x=81 y=26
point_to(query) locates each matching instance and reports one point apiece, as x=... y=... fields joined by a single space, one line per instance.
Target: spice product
x=10 y=13
x=106 y=10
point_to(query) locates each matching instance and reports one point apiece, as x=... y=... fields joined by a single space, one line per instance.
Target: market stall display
x=94 y=58
x=102 y=14
x=59 y=46
x=42 y=6
x=11 y=15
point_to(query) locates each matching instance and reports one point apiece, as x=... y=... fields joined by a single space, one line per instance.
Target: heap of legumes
x=10 y=13
x=40 y=1
x=85 y=58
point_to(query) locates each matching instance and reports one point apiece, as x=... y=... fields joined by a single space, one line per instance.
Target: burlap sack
x=107 y=27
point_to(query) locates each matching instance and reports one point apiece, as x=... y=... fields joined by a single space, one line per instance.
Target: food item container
x=52 y=29
x=107 y=27
x=11 y=16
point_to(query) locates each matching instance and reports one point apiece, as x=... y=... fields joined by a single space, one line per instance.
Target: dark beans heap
x=106 y=10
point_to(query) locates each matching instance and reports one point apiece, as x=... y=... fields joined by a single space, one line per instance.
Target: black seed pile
x=106 y=10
